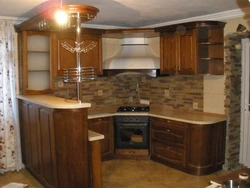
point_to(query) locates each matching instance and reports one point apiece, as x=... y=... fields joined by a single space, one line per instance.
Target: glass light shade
x=61 y=17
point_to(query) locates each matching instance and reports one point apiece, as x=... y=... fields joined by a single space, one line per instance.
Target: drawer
x=169 y=132
x=171 y=137
x=173 y=155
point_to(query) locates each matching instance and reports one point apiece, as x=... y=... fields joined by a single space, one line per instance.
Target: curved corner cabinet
x=192 y=148
x=36 y=74
x=55 y=145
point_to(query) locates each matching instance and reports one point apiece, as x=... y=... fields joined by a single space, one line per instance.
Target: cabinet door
x=186 y=48
x=47 y=146
x=104 y=126
x=168 y=54
x=92 y=58
x=36 y=70
x=24 y=132
x=34 y=140
x=220 y=142
x=201 y=148
x=37 y=142
x=65 y=59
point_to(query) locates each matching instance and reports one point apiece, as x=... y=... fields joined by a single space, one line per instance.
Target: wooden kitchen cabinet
x=168 y=141
x=35 y=62
x=55 y=146
x=37 y=142
x=192 y=148
x=64 y=59
x=206 y=148
x=178 y=53
x=192 y=48
x=104 y=126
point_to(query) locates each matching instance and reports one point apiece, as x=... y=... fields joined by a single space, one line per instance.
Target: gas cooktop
x=133 y=109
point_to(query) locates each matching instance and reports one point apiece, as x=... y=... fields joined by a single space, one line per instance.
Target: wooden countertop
x=53 y=102
x=164 y=112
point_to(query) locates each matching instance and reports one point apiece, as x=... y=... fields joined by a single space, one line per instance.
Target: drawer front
x=173 y=155
x=169 y=132
x=100 y=120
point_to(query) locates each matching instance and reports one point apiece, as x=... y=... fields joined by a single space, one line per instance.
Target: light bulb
x=61 y=17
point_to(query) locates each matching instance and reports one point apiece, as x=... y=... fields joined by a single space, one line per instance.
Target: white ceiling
x=128 y=13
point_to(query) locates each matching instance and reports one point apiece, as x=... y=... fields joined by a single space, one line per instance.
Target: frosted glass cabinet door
x=37 y=73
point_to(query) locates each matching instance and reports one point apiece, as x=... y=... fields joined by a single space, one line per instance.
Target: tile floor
x=129 y=174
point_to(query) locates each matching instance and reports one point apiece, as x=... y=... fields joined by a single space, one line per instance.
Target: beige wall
x=214 y=85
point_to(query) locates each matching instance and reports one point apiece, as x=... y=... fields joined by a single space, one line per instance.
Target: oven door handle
x=132 y=124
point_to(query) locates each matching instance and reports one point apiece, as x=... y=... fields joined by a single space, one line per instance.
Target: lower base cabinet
x=192 y=148
x=104 y=126
x=55 y=146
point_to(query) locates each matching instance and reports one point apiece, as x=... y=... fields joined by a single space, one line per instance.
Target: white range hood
x=134 y=56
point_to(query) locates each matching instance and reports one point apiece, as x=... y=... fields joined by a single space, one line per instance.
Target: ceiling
x=128 y=13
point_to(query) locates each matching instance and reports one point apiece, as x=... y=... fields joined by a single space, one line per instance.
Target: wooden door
x=201 y=147
x=71 y=147
x=187 y=53
x=34 y=138
x=24 y=132
x=36 y=70
x=104 y=126
x=48 y=163
x=219 y=142
x=63 y=58
x=93 y=58
x=168 y=54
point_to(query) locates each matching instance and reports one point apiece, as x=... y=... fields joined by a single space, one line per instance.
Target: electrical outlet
x=195 y=105
x=166 y=93
x=60 y=84
x=130 y=99
x=144 y=101
x=100 y=92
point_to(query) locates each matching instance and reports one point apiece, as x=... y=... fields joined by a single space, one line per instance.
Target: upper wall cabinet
x=35 y=69
x=192 y=48
x=65 y=59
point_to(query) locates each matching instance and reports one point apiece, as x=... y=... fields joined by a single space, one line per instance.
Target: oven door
x=131 y=135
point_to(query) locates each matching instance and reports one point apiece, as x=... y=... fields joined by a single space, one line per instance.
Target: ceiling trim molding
x=236 y=13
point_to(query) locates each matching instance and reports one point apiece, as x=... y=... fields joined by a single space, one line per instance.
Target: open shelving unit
x=210 y=51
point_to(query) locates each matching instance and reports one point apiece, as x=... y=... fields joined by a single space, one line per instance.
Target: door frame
x=245 y=114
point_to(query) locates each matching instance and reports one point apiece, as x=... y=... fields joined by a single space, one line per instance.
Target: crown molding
x=221 y=16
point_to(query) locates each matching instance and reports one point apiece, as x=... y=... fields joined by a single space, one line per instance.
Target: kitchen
x=158 y=84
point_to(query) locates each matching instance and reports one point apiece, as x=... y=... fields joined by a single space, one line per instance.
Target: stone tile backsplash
x=122 y=90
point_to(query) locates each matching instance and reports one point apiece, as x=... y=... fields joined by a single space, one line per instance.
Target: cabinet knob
x=168 y=130
x=168 y=147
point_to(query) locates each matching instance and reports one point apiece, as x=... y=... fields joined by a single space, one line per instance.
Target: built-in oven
x=131 y=128
x=131 y=132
